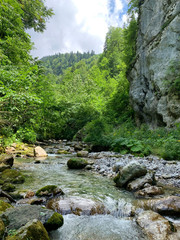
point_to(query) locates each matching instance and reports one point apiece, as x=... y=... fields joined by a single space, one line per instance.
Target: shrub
x=26 y=135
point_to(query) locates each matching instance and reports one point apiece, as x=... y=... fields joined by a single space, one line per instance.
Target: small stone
x=150 y=191
x=82 y=154
x=29 y=194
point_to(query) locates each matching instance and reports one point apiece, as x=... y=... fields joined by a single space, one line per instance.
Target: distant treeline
x=57 y=63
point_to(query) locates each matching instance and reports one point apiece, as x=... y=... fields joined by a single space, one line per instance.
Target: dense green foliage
x=72 y=95
x=57 y=63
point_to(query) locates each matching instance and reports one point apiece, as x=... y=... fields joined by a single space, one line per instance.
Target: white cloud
x=78 y=25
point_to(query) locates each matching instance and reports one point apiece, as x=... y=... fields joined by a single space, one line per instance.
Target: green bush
x=171 y=150
x=26 y=135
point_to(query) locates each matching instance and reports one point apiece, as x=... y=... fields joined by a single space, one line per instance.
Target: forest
x=82 y=96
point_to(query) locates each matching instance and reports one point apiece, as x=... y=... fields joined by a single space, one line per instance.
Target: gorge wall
x=154 y=83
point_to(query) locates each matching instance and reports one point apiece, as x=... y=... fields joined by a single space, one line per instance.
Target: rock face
x=157 y=64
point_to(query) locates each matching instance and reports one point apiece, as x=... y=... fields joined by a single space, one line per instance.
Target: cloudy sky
x=78 y=25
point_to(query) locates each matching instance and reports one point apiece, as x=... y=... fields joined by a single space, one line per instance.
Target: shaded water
x=88 y=185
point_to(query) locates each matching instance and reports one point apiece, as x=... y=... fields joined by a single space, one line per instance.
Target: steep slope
x=155 y=76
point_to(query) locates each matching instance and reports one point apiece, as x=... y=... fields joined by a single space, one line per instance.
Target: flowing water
x=84 y=184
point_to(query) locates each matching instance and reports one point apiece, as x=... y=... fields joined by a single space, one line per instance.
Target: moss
x=31 y=231
x=2 y=229
x=4 y=206
x=48 y=190
x=54 y=222
x=77 y=163
x=12 y=176
x=62 y=152
x=8 y=187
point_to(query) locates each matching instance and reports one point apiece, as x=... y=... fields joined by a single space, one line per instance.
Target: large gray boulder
x=131 y=171
x=140 y=182
x=17 y=217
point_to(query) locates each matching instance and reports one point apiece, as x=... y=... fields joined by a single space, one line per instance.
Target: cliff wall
x=154 y=83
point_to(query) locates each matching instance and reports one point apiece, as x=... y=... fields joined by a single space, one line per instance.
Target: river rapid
x=83 y=187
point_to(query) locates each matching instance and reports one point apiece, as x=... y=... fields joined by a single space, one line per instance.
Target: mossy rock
x=7 y=159
x=54 y=222
x=8 y=187
x=33 y=230
x=2 y=229
x=4 y=206
x=62 y=151
x=49 y=190
x=12 y=176
x=77 y=163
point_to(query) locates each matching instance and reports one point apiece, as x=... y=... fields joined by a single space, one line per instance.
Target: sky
x=78 y=25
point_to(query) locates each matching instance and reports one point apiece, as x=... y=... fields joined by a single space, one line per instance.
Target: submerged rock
x=12 y=176
x=39 y=152
x=154 y=225
x=32 y=230
x=77 y=163
x=77 y=205
x=8 y=187
x=131 y=171
x=49 y=190
x=19 y=216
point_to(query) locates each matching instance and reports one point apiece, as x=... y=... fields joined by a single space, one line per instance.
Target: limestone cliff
x=154 y=95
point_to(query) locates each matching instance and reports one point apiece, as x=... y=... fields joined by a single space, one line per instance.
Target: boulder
x=166 y=205
x=154 y=225
x=77 y=163
x=3 y=167
x=32 y=230
x=8 y=187
x=12 y=176
x=76 y=205
x=150 y=191
x=131 y=171
x=7 y=159
x=140 y=182
x=49 y=190
x=39 y=152
x=21 y=215
x=2 y=229
x=54 y=222
x=82 y=154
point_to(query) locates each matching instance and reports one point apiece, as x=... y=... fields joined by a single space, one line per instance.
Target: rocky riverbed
x=89 y=194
